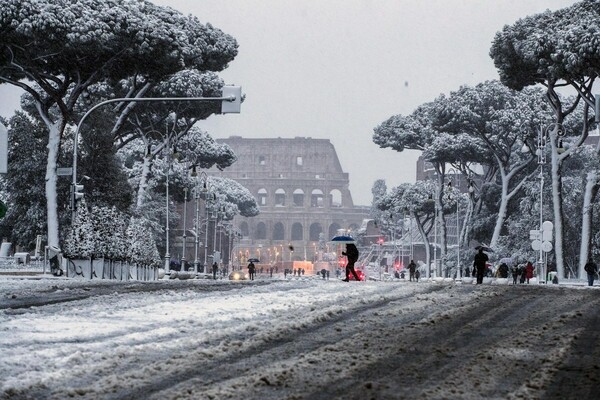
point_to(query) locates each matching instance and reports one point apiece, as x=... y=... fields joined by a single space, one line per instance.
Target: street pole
x=185 y=199
x=196 y=228
x=167 y=255
x=230 y=104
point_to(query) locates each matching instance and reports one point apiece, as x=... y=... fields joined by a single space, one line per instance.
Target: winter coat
x=529 y=270
x=591 y=267
x=351 y=252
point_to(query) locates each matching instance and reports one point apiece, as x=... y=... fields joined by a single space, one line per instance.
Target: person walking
x=412 y=267
x=215 y=269
x=528 y=271
x=251 y=270
x=515 y=273
x=592 y=269
x=352 y=254
x=479 y=264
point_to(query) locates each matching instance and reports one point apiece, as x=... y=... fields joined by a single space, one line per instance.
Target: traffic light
x=232 y=102
x=3 y=209
x=76 y=195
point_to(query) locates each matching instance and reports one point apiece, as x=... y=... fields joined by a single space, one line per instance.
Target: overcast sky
x=336 y=69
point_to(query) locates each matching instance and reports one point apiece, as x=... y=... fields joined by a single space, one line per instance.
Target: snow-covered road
x=298 y=339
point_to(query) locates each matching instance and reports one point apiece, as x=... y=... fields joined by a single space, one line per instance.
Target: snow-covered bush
x=80 y=241
x=142 y=247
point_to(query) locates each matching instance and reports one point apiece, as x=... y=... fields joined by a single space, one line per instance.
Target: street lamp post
x=457 y=178
x=185 y=200
x=202 y=178
x=167 y=254
x=230 y=103
x=540 y=152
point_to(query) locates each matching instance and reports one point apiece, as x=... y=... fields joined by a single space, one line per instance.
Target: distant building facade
x=302 y=193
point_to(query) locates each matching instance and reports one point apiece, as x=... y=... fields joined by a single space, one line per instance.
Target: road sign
x=536 y=245
x=547 y=235
x=546 y=246
x=534 y=234
x=547 y=226
x=68 y=171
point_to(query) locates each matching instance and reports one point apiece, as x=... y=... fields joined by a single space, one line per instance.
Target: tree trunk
x=501 y=211
x=423 y=234
x=591 y=189
x=441 y=220
x=55 y=131
x=142 y=188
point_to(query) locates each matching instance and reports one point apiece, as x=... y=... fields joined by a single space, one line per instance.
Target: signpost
x=541 y=240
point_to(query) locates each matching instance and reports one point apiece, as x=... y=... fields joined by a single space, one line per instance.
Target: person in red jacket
x=528 y=271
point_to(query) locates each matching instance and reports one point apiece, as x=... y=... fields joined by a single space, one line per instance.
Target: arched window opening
x=261 y=230
x=278 y=232
x=299 y=198
x=315 y=230
x=297 y=232
x=335 y=198
x=262 y=197
x=316 y=198
x=280 y=198
x=244 y=229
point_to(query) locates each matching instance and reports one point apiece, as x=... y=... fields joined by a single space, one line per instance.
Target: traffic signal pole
x=230 y=103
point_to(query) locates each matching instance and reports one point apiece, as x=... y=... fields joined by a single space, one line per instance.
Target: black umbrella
x=484 y=248
x=253 y=260
x=343 y=239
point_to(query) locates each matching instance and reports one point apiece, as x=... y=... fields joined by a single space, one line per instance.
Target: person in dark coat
x=215 y=269
x=592 y=269
x=352 y=254
x=479 y=263
x=515 y=273
x=412 y=267
x=251 y=270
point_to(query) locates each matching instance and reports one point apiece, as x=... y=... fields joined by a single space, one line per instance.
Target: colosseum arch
x=261 y=231
x=297 y=231
x=299 y=198
x=262 y=197
x=244 y=229
x=280 y=197
x=315 y=230
x=316 y=198
x=335 y=198
x=278 y=232
x=333 y=229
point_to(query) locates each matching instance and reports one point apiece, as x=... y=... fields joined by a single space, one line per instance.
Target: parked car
x=238 y=276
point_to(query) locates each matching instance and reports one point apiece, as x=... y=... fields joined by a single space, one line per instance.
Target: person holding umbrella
x=251 y=270
x=352 y=254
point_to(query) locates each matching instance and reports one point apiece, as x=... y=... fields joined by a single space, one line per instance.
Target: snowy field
x=296 y=339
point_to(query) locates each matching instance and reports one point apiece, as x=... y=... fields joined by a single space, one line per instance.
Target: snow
x=103 y=339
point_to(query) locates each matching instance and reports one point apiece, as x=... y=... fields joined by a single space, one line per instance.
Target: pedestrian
x=479 y=265
x=251 y=270
x=592 y=269
x=417 y=275
x=327 y=273
x=323 y=272
x=467 y=272
x=352 y=254
x=503 y=270
x=515 y=273
x=411 y=269
x=215 y=269
x=529 y=271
